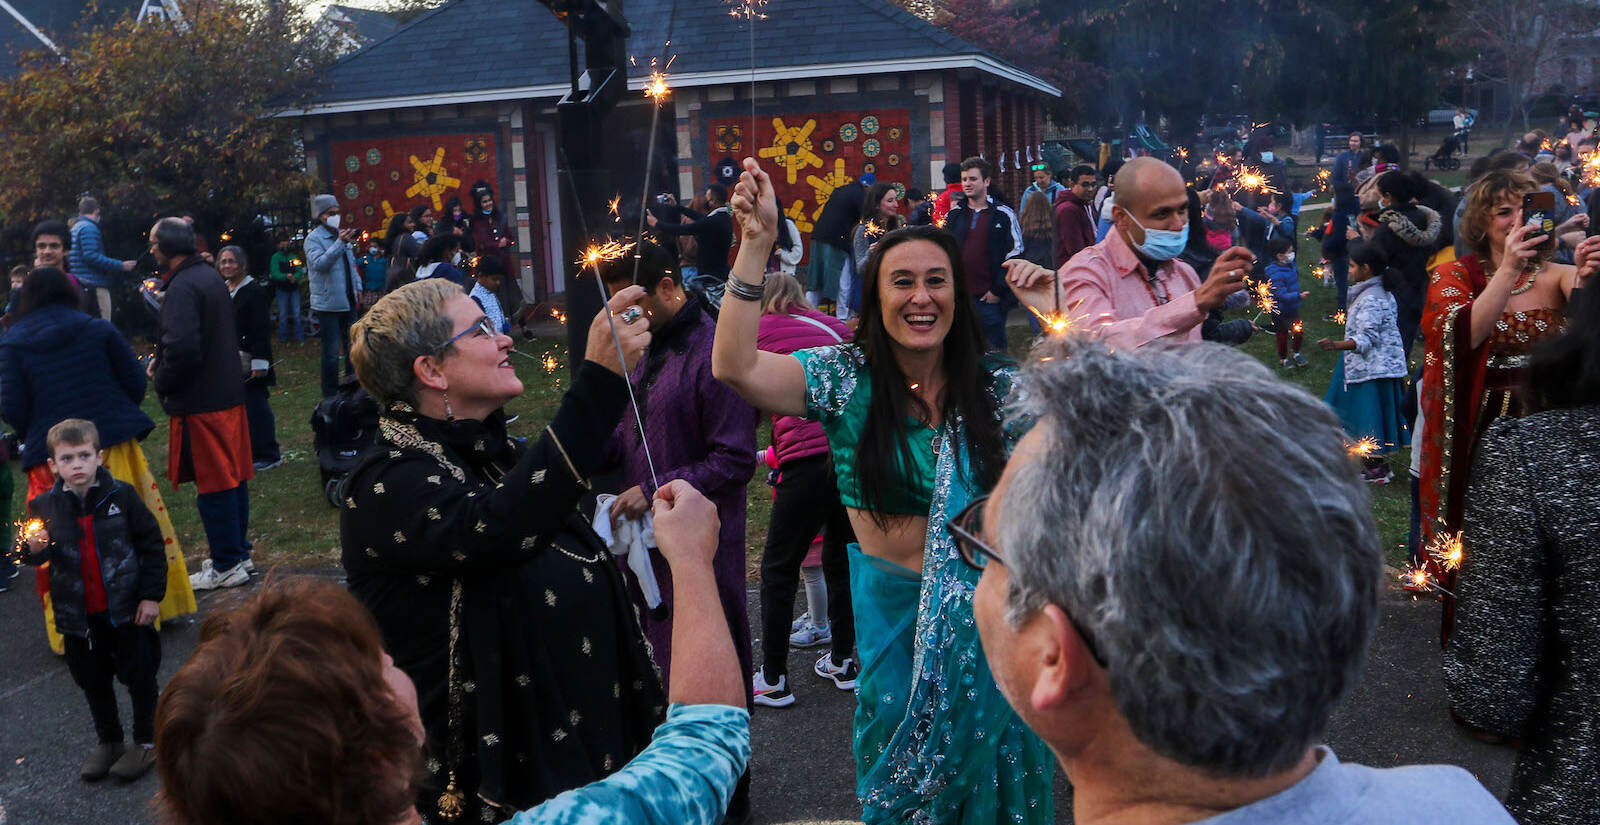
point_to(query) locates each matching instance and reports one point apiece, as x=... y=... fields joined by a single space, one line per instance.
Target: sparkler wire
x=605 y=298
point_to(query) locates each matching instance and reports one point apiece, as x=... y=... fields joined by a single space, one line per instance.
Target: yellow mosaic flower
x=430 y=180
x=791 y=147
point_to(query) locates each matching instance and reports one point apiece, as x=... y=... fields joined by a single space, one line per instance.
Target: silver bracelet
x=746 y=291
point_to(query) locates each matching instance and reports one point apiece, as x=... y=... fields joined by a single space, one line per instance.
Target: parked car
x=1444 y=115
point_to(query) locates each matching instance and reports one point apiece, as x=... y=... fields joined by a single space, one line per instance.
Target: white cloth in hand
x=633 y=538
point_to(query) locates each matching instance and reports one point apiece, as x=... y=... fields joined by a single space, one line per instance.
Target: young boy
x=108 y=573
x=487 y=290
x=1284 y=279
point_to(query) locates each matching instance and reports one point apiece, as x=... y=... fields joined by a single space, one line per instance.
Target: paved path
x=802 y=765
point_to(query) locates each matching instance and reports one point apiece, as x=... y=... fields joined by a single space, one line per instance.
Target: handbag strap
x=819 y=325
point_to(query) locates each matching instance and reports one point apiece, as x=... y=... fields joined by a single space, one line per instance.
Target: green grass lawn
x=292 y=524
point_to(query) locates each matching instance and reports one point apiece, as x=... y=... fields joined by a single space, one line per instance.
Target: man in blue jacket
x=334 y=280
x=88 y=262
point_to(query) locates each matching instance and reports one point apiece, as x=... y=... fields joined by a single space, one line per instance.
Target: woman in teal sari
x=912 y=414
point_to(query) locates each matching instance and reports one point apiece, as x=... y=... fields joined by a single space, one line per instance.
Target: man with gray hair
x=89 y=263
x=1179 y=630
x=196 y=374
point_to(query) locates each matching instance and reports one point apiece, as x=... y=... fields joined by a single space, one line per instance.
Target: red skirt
x=211 y=449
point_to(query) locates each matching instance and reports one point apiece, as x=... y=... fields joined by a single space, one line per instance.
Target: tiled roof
x=470 y=46
x=369 y=24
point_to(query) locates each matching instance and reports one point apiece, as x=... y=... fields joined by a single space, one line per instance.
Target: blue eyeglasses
x=482 y=325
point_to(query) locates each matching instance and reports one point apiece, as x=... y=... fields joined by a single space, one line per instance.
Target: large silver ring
x=631 y=314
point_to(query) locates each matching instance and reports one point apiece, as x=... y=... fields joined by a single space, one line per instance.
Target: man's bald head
x=1142 y=181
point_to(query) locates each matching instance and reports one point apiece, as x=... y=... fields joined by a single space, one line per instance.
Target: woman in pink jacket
x=806 y=501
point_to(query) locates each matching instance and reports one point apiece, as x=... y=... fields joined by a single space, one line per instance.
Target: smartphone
x=1538 y=212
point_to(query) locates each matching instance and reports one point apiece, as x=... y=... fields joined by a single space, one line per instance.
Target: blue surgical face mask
x=1267 y=157
x=1161 y=244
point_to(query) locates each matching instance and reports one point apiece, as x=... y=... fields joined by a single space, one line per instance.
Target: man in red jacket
x=1075 y=214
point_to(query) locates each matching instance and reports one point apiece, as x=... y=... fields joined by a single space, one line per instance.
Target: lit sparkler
x=227 y=236
x=32 y=529
x=1417 y=578
x=608 y=251
x=1339 y=318
x=613 y=206
x=1054 y=323
x=1251 y=179
x=151 y=284
x=658 y=88
x=1447 y=550
x=550 y=363
x=1365 y=448
x=1298 y=327
x=1264 y=299
x=561 y=317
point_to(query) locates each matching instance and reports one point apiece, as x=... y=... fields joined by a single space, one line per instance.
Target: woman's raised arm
x=774 y=383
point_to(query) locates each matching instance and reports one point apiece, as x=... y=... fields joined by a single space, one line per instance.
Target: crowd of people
x=555 y=629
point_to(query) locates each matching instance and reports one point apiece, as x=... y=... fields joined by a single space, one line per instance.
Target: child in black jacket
x=108 y=574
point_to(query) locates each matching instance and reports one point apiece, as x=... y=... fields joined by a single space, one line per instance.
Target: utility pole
x=598 y=80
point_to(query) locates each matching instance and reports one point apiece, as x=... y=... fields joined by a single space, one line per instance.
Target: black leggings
x=807 y=501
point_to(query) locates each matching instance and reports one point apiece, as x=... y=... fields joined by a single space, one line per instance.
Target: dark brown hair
x=885 y=446
x=283 y=715
x=72 y=431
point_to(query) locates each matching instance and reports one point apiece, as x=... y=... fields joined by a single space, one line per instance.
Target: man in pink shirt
x=1129 y=289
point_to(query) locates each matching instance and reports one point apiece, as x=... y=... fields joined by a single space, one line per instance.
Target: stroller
x=343 y=425
x=1445 y=158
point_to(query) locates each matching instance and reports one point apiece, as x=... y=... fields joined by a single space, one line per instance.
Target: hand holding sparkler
x=1330 y=345
x=35 y=536
x=631 y=336
x=755 y=204
x=1227 y=277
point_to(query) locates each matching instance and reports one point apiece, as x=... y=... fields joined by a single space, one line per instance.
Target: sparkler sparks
x=658 y=88
x=1339 y=318
x=1365 y=448
x=561 y=317
x=1447 y=550
x=31 y=529
x=1420 y=580
x=1298 y=327
x=1250 y=178
x=608 y=251
x=613 y=206
x=550 y=363
x=1263 y=295
x=1054 y=323
x=748 y=9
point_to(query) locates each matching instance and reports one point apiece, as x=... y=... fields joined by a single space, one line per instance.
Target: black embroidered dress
x=498 y=600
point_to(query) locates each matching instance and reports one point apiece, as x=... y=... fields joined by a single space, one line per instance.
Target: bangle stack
x=746 y=291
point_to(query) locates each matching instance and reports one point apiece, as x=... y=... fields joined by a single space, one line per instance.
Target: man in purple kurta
x=698 y=430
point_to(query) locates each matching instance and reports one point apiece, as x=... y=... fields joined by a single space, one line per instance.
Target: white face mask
x=456 y=258
x=333 y=222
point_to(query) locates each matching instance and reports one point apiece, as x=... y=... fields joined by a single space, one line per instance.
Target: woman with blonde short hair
x=490 y=589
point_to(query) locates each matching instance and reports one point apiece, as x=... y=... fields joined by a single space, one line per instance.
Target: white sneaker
x=811 y=636
x=805 y=619
x=843 y=676
x=769 y=695
x=249 y=567
x=209 y=579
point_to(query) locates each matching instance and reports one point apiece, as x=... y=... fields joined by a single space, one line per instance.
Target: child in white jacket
x=1369 y=383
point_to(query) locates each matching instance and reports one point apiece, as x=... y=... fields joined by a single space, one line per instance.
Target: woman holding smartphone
x=1484 y=313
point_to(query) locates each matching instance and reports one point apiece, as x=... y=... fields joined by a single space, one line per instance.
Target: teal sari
x=934 y=739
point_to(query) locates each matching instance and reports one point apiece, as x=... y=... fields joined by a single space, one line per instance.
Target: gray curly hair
x=1202 y=521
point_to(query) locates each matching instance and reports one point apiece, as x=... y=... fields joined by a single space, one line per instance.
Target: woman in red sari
x=1484 y=312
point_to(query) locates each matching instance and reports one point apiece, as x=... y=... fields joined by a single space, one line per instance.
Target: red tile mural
x=374 y=179
x=811 y=154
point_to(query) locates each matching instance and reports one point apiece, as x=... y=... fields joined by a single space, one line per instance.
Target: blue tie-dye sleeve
x=685 y=777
